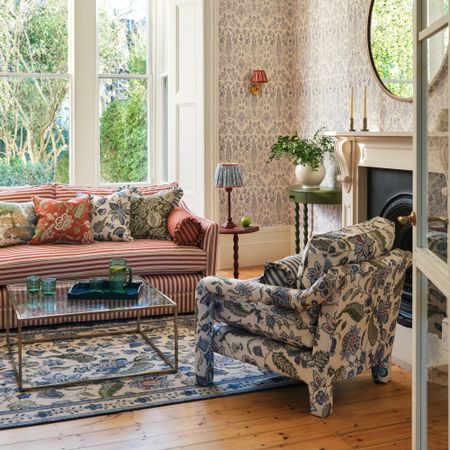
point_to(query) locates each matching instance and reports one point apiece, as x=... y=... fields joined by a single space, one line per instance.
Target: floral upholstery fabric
x=350 y=244
x=357 y=308
x=240 y=303
x=149 y=214
x=282 y=272
x=62 y=221
x=110 y=216
x=17 y=223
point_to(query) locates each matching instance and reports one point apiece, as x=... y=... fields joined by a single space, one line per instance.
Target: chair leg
x=381 y=372
x=321 y=400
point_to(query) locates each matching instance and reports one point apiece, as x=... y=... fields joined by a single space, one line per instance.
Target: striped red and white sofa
x=173 y=269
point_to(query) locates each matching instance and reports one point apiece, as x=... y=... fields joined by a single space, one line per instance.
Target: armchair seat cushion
x=292 y=327
x=354 y=244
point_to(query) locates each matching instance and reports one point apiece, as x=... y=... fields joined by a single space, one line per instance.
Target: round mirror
x=390 y=40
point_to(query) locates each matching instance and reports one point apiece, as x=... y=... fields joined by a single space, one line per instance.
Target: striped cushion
x=66 y=261
x=282 y=272
x=66 y=192
x=183 y=227
x=26 y=193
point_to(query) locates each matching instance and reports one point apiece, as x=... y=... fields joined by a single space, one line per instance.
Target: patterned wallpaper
x=313 y=52
x=257 y=34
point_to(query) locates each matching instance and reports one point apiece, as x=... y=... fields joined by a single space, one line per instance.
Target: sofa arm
x=209 y=241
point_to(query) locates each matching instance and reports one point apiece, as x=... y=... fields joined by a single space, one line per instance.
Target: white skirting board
x=267 y=244
x=403 y=344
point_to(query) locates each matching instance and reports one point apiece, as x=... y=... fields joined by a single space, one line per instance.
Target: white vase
x=308 y=178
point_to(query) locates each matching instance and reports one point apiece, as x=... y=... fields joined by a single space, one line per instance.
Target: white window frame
x=84 y=80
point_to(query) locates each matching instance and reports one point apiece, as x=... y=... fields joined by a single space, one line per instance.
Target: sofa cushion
x=356 y=243
x=282 y=272
x=69 y=261
x=67 y=191
x=184 y=227
x=62 y=221
x=26 y=193
x=17 y=223
x=149 y=213
x=110 y=216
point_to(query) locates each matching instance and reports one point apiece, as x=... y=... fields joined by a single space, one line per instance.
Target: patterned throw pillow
x=149 y=214
x=184 y=228
x=283 y=272
x=353 y=244
x=17 y=223
x=62 y=221
x=110 y=216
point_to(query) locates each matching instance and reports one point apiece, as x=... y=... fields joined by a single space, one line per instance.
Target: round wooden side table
x=319 y=196
x=239 y=229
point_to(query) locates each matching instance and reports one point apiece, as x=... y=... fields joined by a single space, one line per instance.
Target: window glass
x=123 y=130
x=122 y=36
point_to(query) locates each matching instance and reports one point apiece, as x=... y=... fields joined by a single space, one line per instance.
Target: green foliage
x=307 y=152
x=123 y=137
x=392 y=44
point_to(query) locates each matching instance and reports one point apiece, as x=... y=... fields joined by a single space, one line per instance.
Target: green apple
x=246 y=221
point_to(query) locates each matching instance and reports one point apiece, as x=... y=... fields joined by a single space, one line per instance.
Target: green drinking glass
x=120 y=275
x=33 y=284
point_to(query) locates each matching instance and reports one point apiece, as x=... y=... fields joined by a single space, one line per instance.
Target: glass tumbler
x=49 y=286
x=33 y=283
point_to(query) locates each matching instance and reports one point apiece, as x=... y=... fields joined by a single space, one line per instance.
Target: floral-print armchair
x=339 y=322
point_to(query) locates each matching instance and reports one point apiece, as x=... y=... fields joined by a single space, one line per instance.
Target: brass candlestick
x=352 y=124
x=364 y=127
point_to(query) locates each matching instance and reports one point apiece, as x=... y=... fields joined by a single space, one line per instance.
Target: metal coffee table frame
x=135 y=328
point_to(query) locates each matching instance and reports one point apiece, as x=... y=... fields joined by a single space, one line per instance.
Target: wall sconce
x=258 y=78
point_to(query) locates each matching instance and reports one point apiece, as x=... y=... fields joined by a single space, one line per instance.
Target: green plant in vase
x=307 y=155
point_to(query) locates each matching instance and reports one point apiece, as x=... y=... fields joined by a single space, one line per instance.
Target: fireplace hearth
x=389 y=195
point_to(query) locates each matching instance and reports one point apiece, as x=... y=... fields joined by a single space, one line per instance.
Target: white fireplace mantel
x=357 y=151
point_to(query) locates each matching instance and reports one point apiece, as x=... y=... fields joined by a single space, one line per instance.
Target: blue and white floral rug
x=68 y=360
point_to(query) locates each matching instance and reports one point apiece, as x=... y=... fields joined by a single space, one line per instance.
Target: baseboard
x=268 y=244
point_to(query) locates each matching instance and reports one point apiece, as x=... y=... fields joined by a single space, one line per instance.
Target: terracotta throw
x=62 y=221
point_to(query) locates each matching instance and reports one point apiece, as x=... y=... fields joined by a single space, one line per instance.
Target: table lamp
x=228 y=176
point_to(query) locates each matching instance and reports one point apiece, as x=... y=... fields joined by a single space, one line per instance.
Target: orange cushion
x=62 y=221
x=184 y=228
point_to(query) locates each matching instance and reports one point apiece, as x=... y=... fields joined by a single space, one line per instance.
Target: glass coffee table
x=31 y=307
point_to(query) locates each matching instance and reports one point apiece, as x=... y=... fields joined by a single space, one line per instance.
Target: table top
x=239 y=229
x=37 y=306
x=321 y=195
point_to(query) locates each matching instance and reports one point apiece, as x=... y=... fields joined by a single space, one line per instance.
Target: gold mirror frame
x=375 y=71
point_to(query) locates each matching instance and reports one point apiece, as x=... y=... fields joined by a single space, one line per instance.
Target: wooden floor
x=366 y=416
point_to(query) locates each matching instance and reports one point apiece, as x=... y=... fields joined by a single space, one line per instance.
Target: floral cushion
x=149 y=214
x=357 y=243
x=110 y=216
x=62 y=221
x=282 y=272
x=17 y=223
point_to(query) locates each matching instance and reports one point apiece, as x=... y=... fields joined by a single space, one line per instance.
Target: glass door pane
x=437 y=368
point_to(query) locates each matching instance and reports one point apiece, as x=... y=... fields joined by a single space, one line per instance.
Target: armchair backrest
x=358 y=313
x=354 y=244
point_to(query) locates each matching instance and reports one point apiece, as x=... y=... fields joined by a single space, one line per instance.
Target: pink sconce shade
x=259 y=76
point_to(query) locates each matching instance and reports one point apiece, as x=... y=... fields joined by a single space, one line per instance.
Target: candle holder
x=364 y=127
x=352 y=124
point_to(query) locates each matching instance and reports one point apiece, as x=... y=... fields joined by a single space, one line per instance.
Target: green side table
x=318 y=196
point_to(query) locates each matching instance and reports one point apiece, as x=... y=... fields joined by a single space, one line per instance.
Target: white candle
x=351 y=103
x=365 y=101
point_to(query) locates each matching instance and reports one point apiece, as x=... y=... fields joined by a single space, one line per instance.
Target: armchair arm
x=356 y=323
x=254 y=291
x=209 y=240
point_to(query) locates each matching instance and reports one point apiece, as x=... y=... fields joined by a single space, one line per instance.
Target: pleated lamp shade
x=228 y=175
